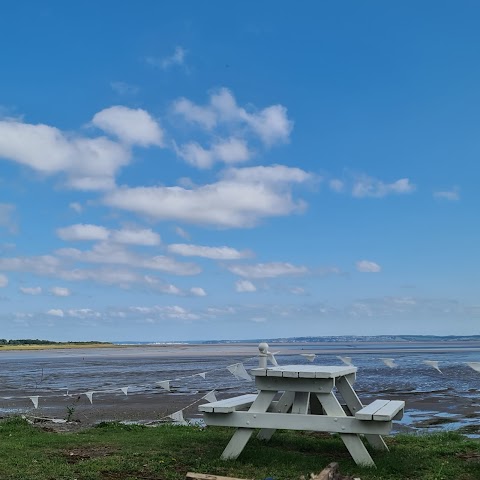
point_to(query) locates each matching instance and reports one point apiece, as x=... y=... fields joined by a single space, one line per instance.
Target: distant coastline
x=31 y=344
x=343 y=343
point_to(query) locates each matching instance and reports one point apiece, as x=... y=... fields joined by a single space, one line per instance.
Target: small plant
x=70 y=413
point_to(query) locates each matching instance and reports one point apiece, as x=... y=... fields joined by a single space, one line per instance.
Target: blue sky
x=222 y=170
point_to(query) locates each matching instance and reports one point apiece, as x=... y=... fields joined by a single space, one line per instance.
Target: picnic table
x=305 y=397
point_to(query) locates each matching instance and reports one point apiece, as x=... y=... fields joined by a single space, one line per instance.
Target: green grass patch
x=114 y=452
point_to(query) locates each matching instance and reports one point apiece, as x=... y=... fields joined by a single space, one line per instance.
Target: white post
x=263 y=357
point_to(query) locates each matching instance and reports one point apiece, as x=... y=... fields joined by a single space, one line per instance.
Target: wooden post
x=263 y=357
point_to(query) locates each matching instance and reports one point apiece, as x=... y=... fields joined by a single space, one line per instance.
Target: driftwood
x=331 y=472
x=203 y=476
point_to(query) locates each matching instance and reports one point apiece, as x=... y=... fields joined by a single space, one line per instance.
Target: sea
x=439 y=396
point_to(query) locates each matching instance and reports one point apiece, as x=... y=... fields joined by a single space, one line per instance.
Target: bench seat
x=229 y=405
x=382 y=411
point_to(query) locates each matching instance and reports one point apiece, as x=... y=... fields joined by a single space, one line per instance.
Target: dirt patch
x=76 y=455
x=470 y=457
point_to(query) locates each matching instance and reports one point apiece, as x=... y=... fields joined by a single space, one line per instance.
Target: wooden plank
x=353 y=442
x=367 y=412
x=389 y=411
x=344 y=386
x=242 y=435
x=203 y=476
x=295 y=421
x=305 y=371
x=282 y=384
x=228 y=405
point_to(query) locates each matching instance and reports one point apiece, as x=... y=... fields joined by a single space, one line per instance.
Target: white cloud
x=241 y=199
x=192 y=113
x=44 y=265
x=245 y=286
x=215 y=253
x=89 y=163
x=106 y=253
x=268 y=270
x=123 y=88
x=368 y=266
x=31 y=290
x=365 y=186
x=165 y=312
x=297 y=290
x=7 y=221
x=144 y=237
x=258 y=319
x=336 y=185
x=198 y=292
x=176 y=59
x=132 y=126
x=182 y=233
x=270 y=124
x=271 y=175
x=80 y=232
x=452 y=195
x=56 y=312
x=129 y=236
x=60 y=291
x=3 y=280
x=231 y=150
x=77 y=207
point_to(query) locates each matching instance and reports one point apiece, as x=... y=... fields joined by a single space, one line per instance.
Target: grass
x=114 y=452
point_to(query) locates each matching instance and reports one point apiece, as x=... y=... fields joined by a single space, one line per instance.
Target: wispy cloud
x=215 y=253
x=198 y=292
x=176 y=59
x=243 y=286
x=123 y=88
x=7 y=220
x=76 y=207
x=60 y=291
x=268 y=270
x=368 y=267
x=31 y=290
x=128 y=236
x=365 y=186
x=452 y=195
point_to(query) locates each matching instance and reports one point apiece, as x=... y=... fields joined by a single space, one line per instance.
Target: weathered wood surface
x=204 y=476
x=304 y=371
x=381 y=411
x=229 y=405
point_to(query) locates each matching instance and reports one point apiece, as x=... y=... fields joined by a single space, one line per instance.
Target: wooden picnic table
x=306 y=399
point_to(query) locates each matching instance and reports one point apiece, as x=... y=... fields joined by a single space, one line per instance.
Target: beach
x=125 y=382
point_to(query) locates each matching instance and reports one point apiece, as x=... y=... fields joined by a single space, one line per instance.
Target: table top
x=304 y=371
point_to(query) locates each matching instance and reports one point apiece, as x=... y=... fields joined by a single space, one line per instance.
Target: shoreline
x=251 y=348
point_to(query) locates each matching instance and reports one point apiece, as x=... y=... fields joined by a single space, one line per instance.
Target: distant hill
x=356 y=338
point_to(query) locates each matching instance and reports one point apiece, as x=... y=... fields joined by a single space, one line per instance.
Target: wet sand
x=424 y=411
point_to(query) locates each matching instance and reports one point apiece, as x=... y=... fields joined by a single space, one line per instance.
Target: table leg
x=352 y=441
x=242 y=435
x=354 y=404
x=283 y=406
